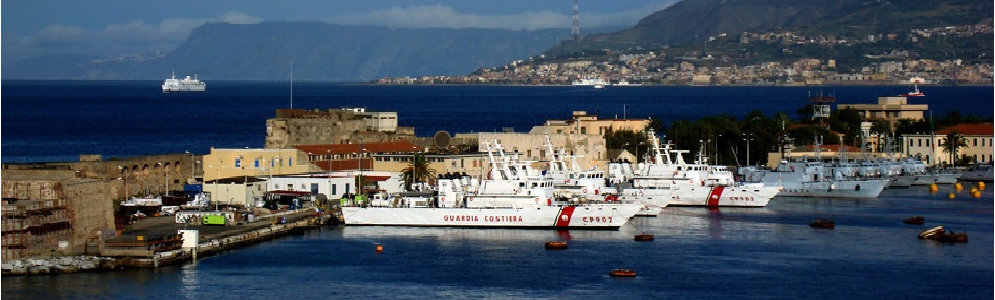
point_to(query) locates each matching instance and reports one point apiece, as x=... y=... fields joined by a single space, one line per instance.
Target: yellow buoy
x=951 y=195
x=379 y=248
x=932 y=187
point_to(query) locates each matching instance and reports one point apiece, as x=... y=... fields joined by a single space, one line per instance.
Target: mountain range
x=320 y=51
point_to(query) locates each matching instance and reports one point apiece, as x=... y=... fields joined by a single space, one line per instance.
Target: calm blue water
x=59 y=120
x=765 y=253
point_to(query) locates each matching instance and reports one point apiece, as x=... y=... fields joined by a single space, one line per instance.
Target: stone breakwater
x=60 y=265
x=76 y=264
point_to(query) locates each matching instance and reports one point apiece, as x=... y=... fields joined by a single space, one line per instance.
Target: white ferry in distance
x=594 y=81
x=183 y=85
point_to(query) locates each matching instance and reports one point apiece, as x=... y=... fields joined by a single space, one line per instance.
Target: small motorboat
x=932 y=232
x=823 y=224
x=953 y=237
x=622 y=273
x=938 y=233
x=644 y=237
x=916 y=220
x=556 y=245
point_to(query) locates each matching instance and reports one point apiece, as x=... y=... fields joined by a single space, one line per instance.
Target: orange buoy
x=556 y=245
x=379 y=248
x=951 y=195
x=622 y=273
x=644 y=237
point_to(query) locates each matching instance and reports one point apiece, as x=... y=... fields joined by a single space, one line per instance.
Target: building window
x=257 y=162
x=334 y=190
x=238 y=162
x=976 y=143
x=920 y=142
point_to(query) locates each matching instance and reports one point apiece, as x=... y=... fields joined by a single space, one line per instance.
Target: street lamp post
x=328 y=152
x=717 y=149
x=747 y=137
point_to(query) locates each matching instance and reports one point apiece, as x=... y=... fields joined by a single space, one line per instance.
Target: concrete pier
x=213 y=240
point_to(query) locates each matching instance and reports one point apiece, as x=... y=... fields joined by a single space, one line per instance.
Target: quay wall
x=75 y=264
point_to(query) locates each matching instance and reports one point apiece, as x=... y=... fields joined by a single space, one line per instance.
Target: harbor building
x=246 y=191
x=890 y=109
x=929 y=147
x=237 y=162
x=53 y=212
x=583 y=123
x=293 y=127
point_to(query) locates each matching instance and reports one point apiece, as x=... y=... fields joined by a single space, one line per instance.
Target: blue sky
x=38 y=27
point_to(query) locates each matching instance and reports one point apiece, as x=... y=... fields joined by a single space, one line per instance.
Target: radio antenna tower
x=575 y=30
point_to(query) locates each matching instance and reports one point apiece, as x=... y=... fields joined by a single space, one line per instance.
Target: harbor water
x=698 y=253
x=59 y=120
x=728 y=253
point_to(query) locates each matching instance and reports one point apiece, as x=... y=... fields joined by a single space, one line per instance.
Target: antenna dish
x=442 y=139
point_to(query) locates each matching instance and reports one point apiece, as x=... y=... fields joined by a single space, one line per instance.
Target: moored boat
x=516 y=196
x=823 y=224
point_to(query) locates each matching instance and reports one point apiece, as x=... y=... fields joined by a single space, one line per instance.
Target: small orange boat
x=556 y=245
x=622 y=273
x=644 y=237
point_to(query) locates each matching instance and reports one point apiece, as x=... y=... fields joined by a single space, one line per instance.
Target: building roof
x=826 y=148
x=984 y=129
x=403 y=146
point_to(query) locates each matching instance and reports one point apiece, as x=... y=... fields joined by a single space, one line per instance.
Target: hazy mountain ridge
x=319 y=52
x=696 y=20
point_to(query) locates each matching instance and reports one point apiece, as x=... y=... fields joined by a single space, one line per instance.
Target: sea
x=698 y=253
x=60 y=120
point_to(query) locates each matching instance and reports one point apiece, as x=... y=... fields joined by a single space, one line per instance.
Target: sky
x=41 y=27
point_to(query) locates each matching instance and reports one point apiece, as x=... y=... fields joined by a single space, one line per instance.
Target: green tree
x=953 y=142
x=634 y=142
x=417 y=171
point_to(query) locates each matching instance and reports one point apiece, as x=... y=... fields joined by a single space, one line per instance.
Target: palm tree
x=954 y=141
x=417 y=171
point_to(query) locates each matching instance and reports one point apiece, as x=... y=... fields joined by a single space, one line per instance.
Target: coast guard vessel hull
x=535 y=217
x=741 y=196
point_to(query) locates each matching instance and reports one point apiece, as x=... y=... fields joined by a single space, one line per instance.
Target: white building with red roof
x=929 y=147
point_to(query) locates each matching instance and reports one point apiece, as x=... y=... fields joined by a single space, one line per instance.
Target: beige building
x=245 y=191
x=583 y=123
x=229 y=163
x=591 y=149
x=293 y=127
x=929 y=147
x=473 y=164
x=889 y=109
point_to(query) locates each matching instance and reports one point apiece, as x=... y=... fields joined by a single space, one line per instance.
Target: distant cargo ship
x=183 y=85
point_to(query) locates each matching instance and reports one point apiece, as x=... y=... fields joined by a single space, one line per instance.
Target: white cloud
x=447 y=17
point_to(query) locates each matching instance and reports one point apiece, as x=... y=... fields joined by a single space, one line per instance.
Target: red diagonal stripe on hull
x=566 y=214
x=713 y=197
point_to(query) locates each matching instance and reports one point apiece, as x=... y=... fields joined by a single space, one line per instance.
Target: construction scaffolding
x=35 y=227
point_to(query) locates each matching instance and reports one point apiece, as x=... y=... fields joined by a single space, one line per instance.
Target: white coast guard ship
x=667 y=180
x=515 y=196
x=183 y=85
